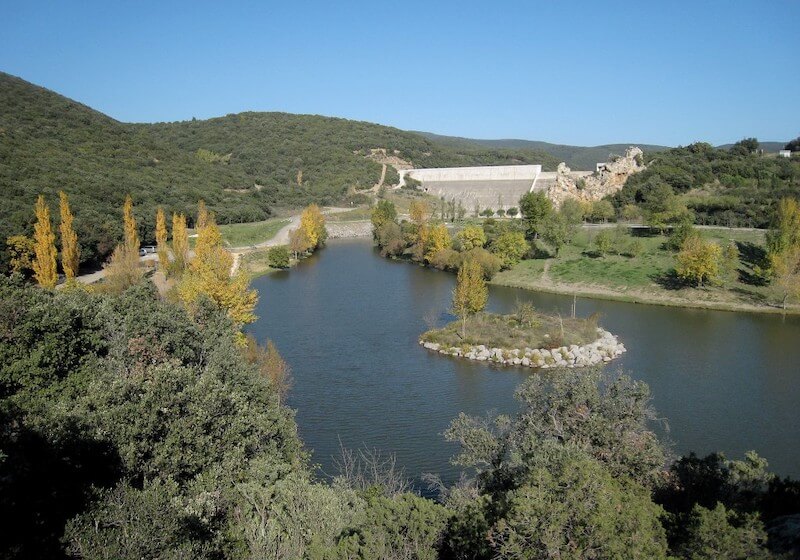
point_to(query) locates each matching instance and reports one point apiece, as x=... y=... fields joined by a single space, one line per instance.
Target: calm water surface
x=347 y=321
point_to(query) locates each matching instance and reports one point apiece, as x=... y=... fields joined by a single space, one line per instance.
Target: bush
x=279 y=256
x=490 y=264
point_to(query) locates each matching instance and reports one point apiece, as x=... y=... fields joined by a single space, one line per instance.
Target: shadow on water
x=348 y=321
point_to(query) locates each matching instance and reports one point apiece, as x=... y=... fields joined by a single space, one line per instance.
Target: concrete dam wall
x=484 y=173
x=496 y=187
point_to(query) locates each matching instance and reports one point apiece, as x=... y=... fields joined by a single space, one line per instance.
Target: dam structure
x=493 y=186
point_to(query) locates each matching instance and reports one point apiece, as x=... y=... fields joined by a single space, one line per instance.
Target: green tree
x=557 y=232
x=571 y=507
x=536 y=208
x=719 y=533
x=603 y=242
x=383 y=213
x=279 y=256
x=470 y=293
x=602 y=211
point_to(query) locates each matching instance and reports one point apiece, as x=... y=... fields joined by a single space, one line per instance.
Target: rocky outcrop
x=608 y=179
x=602 y=350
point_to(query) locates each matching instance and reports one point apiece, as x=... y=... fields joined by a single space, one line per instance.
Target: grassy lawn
x=251 y=233
x=648 y=276
x=509 y=331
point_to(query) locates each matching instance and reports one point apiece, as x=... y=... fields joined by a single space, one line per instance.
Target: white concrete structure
x=492 y=186
x=483 y=173
x=785 y=153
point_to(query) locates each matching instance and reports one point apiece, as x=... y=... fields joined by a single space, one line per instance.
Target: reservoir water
x=347 y=321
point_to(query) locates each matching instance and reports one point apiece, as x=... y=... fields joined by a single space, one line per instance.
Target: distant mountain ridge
x=583 y=158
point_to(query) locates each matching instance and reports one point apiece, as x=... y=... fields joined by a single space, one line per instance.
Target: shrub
x=279 y=256
x=490 y=264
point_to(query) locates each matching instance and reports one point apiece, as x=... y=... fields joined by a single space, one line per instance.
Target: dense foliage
x=736 y=187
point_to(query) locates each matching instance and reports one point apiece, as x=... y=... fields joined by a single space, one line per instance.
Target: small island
x=526 y=338
x=543 y=341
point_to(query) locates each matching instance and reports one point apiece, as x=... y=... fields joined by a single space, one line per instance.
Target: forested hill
x=577 y=157
x=50 y=143
x=242 y=165
x=300 y=158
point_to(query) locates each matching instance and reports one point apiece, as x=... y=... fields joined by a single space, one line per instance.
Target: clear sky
x=561 y=71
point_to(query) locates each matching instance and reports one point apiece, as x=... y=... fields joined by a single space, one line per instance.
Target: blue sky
x=569 y=72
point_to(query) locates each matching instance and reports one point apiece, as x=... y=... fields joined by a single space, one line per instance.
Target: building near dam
x=496 y=186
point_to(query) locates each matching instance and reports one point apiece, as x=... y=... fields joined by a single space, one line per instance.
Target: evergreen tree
x=44 y=263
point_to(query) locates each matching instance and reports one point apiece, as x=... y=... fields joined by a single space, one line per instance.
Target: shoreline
x=609 y=294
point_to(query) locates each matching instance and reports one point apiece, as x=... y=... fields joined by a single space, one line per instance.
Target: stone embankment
x=602 y=350
x=347 y=230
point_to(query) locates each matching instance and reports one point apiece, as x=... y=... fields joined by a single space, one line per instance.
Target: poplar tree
x=44 y=263
x=122 y=270
x=209 y=274
x=202 y=215
x=470 y=294
x=180 y=243
x=161 y=240
x=312 y=222
x=70 y=251
x=438 y=239
x=131 y=233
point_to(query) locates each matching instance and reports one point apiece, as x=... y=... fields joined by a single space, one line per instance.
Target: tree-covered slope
x=738 y=187
x=239 y=164
x=577 y=157
x=299 y=158
x=50 y=143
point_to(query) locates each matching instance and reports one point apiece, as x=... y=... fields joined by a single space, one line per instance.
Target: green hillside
x=50 y=143
x=242 y=164
x=577 y=157
x=274 y=148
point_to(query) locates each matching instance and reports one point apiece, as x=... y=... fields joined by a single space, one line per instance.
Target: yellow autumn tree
x=44 y=247
x=161 y=240
x=312 y=222
x=419 y=211
x=129 y=222
x=470 y=294
x=202 y=215
x=438 y=239
x=786 y=270
x=298 y=242
x=698 y=260
x=122 y=269
x=180 y=243
x=209 y=274
x=70 y=251
x=20 y=251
